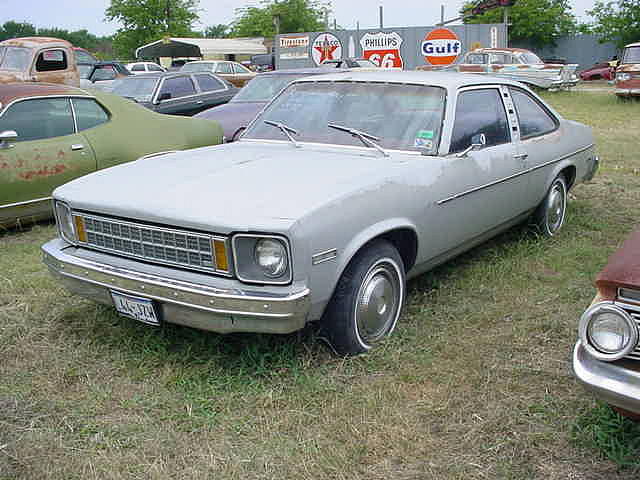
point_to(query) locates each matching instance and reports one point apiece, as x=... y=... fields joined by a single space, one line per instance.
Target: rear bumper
x=613 y=383
x=199 y=306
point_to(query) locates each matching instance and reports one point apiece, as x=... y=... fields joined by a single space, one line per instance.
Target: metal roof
x=200 y=47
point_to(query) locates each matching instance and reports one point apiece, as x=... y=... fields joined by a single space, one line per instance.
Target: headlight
x=65 y=222
x=271 y=257
x=623 y=77
x=262 y=259
x=608 y=332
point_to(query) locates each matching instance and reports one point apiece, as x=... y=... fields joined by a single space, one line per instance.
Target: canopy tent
x=200 y=47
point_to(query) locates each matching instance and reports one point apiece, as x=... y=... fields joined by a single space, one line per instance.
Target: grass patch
x=475 y=383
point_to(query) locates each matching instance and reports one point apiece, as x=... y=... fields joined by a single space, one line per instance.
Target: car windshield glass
x=528 y=57
x=263 y=88
x=631 y=55
x=139 y=88
x=15 y=58
x=403 y=117
x=197 y=67
x=366 y=63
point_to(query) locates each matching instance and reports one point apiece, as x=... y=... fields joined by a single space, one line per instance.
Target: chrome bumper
x=179 y=302
x=610 y=382
x=627 y=91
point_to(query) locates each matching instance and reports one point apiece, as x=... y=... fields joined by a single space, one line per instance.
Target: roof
x=303 y=71
x=32 y=42
x=636 y=44
x=505 y=49
x=444 y=79
x=13 y=91
x=200 y=47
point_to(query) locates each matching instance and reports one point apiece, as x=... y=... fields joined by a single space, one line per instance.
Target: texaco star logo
x=326 y=47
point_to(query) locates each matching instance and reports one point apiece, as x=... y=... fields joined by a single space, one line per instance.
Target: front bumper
x=626 y=92
x=614 y=383
x=194 y=305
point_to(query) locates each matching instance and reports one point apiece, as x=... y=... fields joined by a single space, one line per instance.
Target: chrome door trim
x=510 y=177
x=26 y=202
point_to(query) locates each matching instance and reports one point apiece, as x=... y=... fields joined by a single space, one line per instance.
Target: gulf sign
x=441 y=47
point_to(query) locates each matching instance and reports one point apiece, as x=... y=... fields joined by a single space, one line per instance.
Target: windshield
x=631 y=55
x=403 y=117
x=197 y=67
x=528 y=57
x=15 y=58
x=139 y=88
x=264 y=88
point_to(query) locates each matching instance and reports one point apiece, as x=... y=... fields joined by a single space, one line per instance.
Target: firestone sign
x=441 y=47
x=326 y=47
x=383 y=49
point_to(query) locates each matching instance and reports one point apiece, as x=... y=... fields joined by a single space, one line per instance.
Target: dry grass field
x=476 y=382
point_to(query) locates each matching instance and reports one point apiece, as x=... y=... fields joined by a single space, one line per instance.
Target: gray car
x=343 y=187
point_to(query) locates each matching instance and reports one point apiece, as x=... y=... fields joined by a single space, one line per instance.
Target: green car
x=51 y=134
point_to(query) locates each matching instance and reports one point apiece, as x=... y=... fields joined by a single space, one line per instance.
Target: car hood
x=623 y=267
x=233 y=187
x=233 y=115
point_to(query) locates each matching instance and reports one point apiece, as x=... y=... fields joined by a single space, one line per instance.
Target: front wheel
x=549 y=216
x=368 y=300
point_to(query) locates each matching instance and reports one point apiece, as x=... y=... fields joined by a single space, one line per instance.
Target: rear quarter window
x=534 y=118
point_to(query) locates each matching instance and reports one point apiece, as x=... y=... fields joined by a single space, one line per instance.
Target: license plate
x=137 y=308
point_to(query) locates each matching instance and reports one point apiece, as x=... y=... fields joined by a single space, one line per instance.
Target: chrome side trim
x=157 y=154
x=325 y=256
x=214 y=300
x=511 y=177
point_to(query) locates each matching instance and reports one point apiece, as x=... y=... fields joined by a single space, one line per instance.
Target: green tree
x=13 y=29
x=292 y=16
x=617 y=21
x=217 y=31
x=144 y=21
x=539 y=22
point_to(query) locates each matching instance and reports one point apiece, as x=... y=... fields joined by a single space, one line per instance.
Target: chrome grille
x=634 y=311
x=154 y=244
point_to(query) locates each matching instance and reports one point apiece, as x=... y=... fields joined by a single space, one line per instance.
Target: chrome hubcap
x=378 y=302
x=555 y=213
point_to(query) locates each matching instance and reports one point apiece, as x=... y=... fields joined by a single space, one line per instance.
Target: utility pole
x=168 y=15
x=381 y=18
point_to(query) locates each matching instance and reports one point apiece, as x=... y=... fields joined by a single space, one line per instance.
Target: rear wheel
x=549 y=216
x=368 y=300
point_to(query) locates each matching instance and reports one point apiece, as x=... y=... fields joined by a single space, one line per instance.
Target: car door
x=483 y=188
x=54 y=65
x=225 y=70
x=242 y=74
x=213 y=91
x=177 y=96
x=47 y=152
x=539 y=139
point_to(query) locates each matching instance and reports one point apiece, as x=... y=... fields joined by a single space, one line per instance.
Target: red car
x=628 y=72
x=600 y=71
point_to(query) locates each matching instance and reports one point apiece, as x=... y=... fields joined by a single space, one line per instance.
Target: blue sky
x=89 y=14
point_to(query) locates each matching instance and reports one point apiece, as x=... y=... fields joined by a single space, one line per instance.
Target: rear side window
x=240 y=69
x=209 y=83
x=476 y=59
x=89 y=113
x=51 y=60
x=39 y=119
x=104 y=72
x=224 y=68
x=534 y=119
x=479 y=111
x=178 y=87
x=154 y=68
x=137 y=68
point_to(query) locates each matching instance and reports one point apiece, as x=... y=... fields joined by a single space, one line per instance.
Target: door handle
x=76 y=146
x=521 y=156
x=199 y=102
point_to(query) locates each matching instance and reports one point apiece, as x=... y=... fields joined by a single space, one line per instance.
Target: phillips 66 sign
x=383 y=49
x=441 y=47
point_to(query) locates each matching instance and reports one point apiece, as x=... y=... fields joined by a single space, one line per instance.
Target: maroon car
x=606 y=358
x=600 y=71
x=241 y=109
x=628 y=72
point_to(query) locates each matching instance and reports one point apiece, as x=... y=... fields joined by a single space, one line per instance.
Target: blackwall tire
x=368 y=300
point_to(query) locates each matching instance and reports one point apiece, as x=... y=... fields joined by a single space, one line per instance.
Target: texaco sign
x=326 y=47
x=383 y=49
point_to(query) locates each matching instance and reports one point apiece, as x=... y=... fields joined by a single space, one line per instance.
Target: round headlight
x=608 y=332
x=271 y=256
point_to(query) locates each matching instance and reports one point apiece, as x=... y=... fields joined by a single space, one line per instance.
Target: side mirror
x=164 y=96
x=5 y=139
x=477 y=143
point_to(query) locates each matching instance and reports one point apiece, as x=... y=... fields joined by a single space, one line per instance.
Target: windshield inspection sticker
x=425 y=134
x=423 y=143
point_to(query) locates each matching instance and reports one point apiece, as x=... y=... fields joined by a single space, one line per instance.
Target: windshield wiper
x=286 y=130
x=366 y=138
